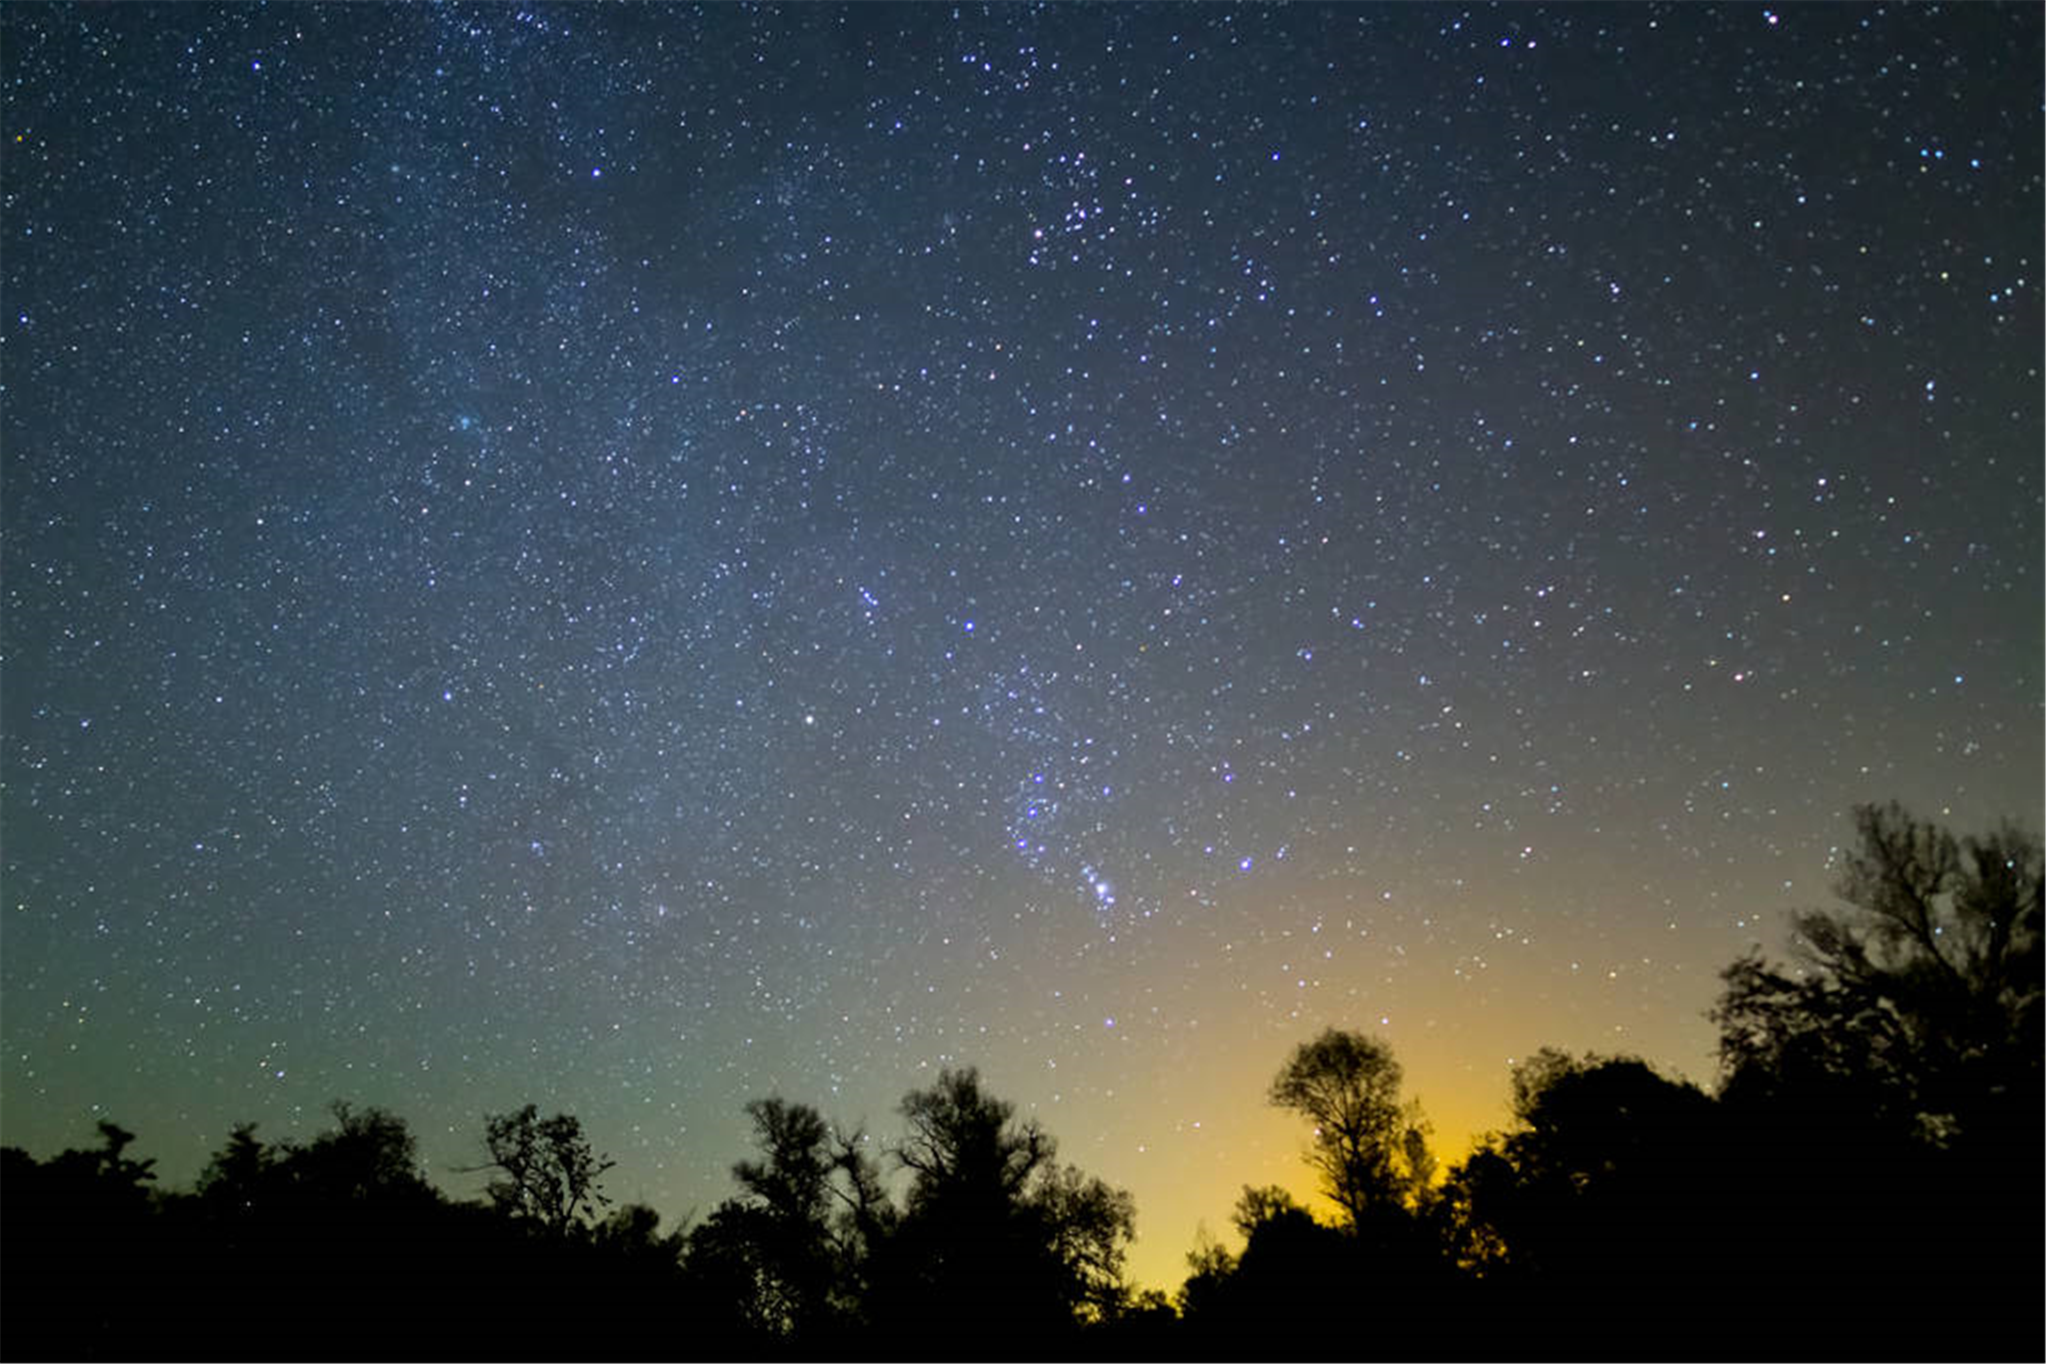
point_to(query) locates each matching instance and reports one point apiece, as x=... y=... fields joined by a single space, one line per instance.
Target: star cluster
x=634 y=558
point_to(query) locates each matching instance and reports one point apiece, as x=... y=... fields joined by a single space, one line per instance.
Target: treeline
x=339 y=1247
x=1865 y=1183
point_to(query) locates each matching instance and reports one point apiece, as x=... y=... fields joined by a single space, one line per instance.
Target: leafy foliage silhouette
x=1367 y=1148
x=1606 y=1191
x=548 y=1174
x=1865 y=1183
x=1921 y=1000
x=785 y=1263
x=1895 y=1066
x=992 y=1228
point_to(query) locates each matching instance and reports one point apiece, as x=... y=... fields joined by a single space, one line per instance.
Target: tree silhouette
x=1203 y=1297
x=1606 y=1212
x=868 y=1216
x=235 y=1181
x=1368 y=1150
x=79 y=1238
x=963 y=1148
x=1922 y=998
x=632 y=1280
x=748 y=1305
x=792 y=1186
x=1262 y=1204
x=992 y=1229
x=1290 y=1262
x=368 y=1155
x=547 y=1171
x=1088 y=1226
x=1895 y=1065
x=963 y=1250
x=784 y=1219
x=1284 y=1294
x=632 y=1235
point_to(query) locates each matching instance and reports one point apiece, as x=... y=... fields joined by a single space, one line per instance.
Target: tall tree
x=1921 y=996
x=548 y=1173
x=993 y=1229
x=1899 y=1052
x=1369 y=1151
x=787 y=1215
x=1088 y=1226
x=962 y=1146
x=787 y=1260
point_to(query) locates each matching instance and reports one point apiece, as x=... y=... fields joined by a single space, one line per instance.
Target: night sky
x=632 y=559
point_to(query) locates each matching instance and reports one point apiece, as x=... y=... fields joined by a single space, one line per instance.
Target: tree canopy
x=1367 y=1148
x=1921 y=994
x=787 y=1273
x=547 y=1172
x=992 y=1224
x=1865 y=1183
